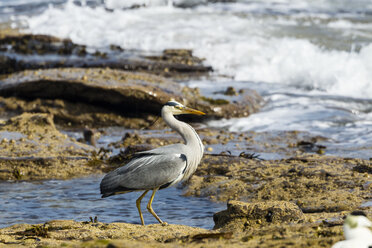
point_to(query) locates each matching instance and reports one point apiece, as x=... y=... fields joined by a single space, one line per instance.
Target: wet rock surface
x=32 y=149
x=17 y=53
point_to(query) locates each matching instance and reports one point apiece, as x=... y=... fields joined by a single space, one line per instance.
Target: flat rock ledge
x=31 y=148
x=69 y=233
x=106 y=97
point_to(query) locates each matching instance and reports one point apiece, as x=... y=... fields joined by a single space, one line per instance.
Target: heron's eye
x=178 y=107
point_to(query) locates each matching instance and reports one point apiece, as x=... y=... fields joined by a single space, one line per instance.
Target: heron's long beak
x=187 y=110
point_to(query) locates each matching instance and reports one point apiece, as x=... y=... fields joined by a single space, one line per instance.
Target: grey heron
x=161 y=167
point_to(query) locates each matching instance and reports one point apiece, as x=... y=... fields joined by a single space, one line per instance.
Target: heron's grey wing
x=146 y=171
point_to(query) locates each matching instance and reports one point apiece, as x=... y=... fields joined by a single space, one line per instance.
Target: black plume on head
x=172 y=103
x=358 y=213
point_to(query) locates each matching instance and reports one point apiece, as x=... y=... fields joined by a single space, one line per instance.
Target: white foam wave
x=334 y=118
x=244 y=47
x=120 y=4
x=113 y=4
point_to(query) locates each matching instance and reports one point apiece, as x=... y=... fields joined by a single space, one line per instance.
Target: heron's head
x=177 y=108
x=357 y=219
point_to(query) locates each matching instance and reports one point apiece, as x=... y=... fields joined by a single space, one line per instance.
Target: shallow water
x=79 y=199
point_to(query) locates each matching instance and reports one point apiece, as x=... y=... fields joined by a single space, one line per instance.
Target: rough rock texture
x=105 y=96
x=239 y=215
x=14 y=48
x=315 y=183
x=68 y=233
x=32 y=148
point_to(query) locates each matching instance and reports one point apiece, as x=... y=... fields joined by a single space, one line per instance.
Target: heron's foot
x=164 y=223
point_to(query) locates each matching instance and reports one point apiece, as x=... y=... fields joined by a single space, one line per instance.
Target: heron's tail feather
x=111 y=185
x=107 y=195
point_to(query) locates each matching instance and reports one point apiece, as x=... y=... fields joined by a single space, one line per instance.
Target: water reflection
x=79 y=199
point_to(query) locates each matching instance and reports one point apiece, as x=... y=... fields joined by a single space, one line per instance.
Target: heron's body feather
x=147 y=170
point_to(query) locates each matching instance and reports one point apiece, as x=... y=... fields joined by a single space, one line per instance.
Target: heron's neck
x=188 y=134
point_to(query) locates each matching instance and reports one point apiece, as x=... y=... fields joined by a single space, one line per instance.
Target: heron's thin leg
x=138 y=203
x=149 y=207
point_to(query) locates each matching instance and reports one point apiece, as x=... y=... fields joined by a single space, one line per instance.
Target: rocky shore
x=296 y=199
